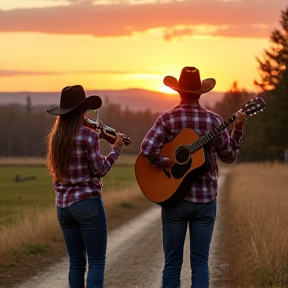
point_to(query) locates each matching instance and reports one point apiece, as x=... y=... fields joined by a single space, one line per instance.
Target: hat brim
x=206 y=85
x=92 y=102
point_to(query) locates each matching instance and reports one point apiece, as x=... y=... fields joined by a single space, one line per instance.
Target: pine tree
x=232 y=101
x=275 y=61
x=267 y=135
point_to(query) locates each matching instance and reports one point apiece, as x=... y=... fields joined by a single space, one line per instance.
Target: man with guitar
x=196 y=206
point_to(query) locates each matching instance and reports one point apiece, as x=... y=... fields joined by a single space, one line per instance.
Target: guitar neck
x=209 y=136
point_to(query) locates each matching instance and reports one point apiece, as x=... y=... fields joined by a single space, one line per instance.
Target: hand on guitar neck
x=239 y=122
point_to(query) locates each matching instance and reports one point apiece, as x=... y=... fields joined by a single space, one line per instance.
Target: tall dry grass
x=39 y=227
x=123 y=159
x=35 y=224
x=256 y=223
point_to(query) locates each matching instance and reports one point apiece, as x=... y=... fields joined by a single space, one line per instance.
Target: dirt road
x=135 y=257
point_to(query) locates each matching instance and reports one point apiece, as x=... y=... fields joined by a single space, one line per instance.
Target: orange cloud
x=9 y=73
x=246 y=18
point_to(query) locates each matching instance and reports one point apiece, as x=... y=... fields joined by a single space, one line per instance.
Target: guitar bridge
x=167 y=173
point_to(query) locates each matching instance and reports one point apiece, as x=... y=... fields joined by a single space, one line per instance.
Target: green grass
x=17 y=197
x=120 y=176
x=30 y=235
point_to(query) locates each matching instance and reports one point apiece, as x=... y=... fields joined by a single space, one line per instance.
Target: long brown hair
x=60 y=142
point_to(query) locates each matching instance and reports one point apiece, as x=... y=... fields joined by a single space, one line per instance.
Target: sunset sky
x=119 y=44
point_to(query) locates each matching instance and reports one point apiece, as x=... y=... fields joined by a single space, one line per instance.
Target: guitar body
x=167 y=187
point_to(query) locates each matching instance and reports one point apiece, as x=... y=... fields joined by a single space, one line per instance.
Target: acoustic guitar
x=168 y=186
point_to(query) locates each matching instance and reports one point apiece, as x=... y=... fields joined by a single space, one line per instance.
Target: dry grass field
x=123 y=159
x=256 y=221
x=30 y=236
x=255 y=200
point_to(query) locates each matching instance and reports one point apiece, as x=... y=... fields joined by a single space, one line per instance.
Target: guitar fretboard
x=199 y=143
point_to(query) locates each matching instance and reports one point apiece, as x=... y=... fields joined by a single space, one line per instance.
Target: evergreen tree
x=274 y=62
x=267 y=135
x=28 y=105
x=232 y=101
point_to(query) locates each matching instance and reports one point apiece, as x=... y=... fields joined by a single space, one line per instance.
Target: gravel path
x=135 y=257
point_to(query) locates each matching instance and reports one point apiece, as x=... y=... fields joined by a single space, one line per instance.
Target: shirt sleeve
x=99 y=164
x=153 y=142
x=228 y=146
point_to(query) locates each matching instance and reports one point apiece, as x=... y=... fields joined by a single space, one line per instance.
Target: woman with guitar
x=77 y=166
x=195 y=203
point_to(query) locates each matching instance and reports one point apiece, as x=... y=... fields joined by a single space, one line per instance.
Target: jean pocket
x=208 y=210
x=174 y=210
x=85 y=210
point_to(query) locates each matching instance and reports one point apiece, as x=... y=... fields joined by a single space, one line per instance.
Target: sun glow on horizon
x=50 y=67
x=167 y=90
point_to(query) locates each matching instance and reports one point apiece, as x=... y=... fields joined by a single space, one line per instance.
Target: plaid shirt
x=86 y=167
x=194 y=116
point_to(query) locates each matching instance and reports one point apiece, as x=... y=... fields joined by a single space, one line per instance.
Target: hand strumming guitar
x=166 y=163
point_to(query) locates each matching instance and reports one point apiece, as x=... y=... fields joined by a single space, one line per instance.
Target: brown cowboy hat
x=74 y=98
x=190 y=82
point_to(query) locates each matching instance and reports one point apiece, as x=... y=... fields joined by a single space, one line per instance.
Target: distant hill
x=133 y=99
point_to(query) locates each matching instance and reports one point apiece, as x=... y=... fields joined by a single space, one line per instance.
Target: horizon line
x=23 y=91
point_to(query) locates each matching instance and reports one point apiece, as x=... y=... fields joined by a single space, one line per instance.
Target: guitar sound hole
x=182 y=155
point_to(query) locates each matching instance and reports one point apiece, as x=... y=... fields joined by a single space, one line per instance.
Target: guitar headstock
x=254 y=106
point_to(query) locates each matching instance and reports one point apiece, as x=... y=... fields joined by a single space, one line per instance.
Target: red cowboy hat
x=190 y=82
x=74 y=98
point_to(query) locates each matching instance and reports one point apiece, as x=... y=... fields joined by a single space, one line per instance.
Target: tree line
x=266 y=135
x=23 y=128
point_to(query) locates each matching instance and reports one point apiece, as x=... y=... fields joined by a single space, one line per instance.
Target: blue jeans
x=84 y=228
x=201 y=219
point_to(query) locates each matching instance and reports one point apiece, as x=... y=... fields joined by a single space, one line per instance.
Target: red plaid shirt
x=86 y=167
x=196 y=117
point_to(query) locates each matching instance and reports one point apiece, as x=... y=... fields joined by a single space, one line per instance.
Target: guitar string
x=200 y=142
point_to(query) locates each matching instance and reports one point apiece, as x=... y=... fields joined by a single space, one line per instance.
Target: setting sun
x=136 y=51
x=167 y=90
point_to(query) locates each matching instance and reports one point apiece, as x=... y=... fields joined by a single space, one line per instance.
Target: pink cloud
x=253 y=18
x=9 y=73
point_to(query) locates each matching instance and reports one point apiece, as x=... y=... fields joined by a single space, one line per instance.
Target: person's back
x=198 y=208
x=76 y=167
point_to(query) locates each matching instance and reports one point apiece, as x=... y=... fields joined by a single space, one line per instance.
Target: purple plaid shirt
x=86 y=167
x=194 y=116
